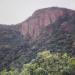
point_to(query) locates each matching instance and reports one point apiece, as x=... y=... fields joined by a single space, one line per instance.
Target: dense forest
x=46 y=63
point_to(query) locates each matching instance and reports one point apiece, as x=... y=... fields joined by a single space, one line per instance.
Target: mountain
x=51 y=28
x=41 y=19
x=47 y=29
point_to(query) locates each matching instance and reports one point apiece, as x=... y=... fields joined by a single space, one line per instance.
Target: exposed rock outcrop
x=42 y=18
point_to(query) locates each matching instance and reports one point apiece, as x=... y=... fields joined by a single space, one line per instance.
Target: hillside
x=49 y=28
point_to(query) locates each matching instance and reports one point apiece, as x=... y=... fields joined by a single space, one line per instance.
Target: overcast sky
x=16 y=11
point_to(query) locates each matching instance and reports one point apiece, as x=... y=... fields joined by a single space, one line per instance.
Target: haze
x=16 y=11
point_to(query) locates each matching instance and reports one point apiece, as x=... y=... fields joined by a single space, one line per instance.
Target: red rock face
x=39 y=20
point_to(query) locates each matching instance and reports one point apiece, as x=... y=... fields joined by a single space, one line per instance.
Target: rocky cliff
x=42 y=18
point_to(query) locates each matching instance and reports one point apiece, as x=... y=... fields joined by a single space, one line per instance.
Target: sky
x=16 y=11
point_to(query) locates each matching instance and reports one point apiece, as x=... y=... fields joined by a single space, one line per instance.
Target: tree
x=4 y=72
x=40 y=71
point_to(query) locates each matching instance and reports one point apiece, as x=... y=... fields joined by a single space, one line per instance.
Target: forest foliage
x=46 y=63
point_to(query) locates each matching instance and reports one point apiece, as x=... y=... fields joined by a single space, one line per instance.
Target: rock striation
x=42 y=18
